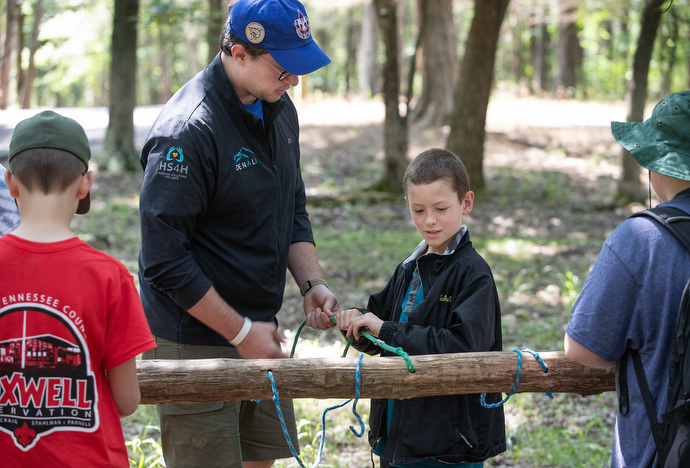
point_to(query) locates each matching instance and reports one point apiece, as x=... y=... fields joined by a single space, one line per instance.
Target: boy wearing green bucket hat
x=71 y=321
x=632 y=295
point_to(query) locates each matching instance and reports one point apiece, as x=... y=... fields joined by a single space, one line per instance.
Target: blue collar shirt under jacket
x=222 y=201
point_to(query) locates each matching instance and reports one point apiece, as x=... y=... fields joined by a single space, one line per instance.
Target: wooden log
x=163 y=381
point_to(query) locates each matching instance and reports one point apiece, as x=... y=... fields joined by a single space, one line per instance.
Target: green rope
x=381 y=344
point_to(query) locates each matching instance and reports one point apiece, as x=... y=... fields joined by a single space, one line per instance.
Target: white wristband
x=243 y=333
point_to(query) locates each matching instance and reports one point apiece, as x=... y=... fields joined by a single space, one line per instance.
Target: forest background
x=522 y=90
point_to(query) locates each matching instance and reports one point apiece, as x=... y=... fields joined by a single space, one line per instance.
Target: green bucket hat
x=662 y=143
x=48 y=129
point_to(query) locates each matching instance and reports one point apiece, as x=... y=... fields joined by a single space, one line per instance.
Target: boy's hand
x=352 y=320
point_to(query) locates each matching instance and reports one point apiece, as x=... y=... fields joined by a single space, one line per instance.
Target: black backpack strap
x=675 y=220
x=647 y=398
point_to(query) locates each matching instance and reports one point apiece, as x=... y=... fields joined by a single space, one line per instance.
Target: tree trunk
x=440 y=62
x=27 y=87
x=21 y=17
x=540 y=49
x=472 y=92
x=394 y=126
x=166 y=89
x=369 y=73
x=163 y=382
x=352 y=42
x=668 y=51
x=516 y=63
x=568 y=48
x=216 y=22
x=9 y=48
x=630 y=187
x=119 y=154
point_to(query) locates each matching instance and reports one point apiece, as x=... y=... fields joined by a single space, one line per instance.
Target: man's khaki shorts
x=220 y=433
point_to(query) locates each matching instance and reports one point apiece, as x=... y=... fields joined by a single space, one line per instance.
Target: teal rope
x=517 y=378
x=381 y=344
x=275 y=399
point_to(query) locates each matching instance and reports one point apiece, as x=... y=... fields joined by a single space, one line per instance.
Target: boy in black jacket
x=442 y=299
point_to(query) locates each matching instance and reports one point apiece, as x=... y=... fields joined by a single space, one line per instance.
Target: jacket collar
x=422 y=248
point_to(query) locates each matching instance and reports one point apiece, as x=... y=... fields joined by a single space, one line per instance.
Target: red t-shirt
x=68 y=313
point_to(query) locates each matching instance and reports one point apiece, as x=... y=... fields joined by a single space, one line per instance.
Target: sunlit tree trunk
x=20 y=47
x=630 y=187
x=9 y=48
x=540 y=48
x=669 y=48
x=369 y=73
x=353 y=26
x=119 y=154
x=395 y=136
x=440 y=62
x=28 y=84
x=568 y=49
x=216 y=21
x=472 y=92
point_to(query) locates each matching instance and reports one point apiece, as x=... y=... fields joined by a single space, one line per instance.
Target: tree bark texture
x=440 y=62
x=28 y=84
x=568 y=49
x=163 y=382
x=8 y=50
x=395 y=136
x=216 y=21
x=629 y=186
x=369 y=72
x=473 y=89
x=539 y=49
x=119 y=154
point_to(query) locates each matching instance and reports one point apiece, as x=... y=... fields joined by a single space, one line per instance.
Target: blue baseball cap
x=282 y=28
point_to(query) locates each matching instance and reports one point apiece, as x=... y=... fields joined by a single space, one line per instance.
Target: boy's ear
x=11 y=182
x=468 y=203
x=85 y=184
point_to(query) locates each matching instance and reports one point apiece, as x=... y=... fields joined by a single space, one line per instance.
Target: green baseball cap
x=48 y=129
x=662 y=143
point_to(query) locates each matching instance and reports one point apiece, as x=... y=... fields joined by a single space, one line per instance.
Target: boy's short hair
x=46 y=169
x=49 y=152
x=438 y=164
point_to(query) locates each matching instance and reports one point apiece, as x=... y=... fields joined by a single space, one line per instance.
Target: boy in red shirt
x=71 y=322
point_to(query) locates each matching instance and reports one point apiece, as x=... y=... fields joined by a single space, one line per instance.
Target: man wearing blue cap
x=632 y=296
x=223 y=217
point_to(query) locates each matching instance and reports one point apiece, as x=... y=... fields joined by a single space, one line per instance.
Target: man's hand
x=262 y=342
x=320 y=304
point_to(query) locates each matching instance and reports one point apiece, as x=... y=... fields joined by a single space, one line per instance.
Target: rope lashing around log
x=517 y=378
x=323 y=416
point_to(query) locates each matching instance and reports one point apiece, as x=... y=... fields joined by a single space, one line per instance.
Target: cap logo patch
x=255 y=33
x=302 y=26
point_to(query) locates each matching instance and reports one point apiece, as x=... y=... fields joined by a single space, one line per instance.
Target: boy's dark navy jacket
x=223 y=199
x=460 y=313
